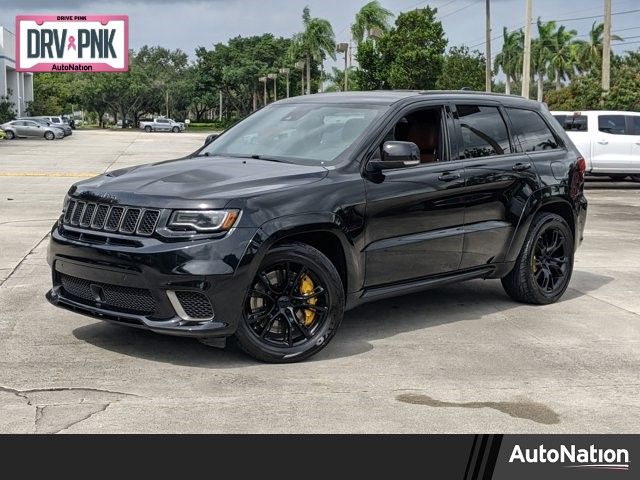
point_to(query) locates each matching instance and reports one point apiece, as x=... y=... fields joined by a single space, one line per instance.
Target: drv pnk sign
x=72 y=43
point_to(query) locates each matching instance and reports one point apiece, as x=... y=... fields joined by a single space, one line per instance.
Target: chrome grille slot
x=130 y=220
x=113 y=220
x=77 y=213
x=100 y=217
x=148 y=222
x=87 y=215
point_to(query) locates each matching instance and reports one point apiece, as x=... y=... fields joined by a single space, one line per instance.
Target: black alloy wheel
x=293 y=306
x=543 y=269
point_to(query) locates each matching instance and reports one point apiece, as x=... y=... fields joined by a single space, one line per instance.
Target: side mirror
x=395 y=155
x=211 y=138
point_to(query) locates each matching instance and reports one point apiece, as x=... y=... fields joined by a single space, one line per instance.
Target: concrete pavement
x=463 y=358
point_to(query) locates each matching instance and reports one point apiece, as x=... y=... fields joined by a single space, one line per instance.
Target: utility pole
x=286 y=71
x=606 y=50
x=274 y=77
x=264 y=81
x=526 y=60
x=300 y=66
x=220 y=113
x=488 y=74
x=344 y=48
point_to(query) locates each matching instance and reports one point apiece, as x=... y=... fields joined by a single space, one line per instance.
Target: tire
x=618 y=178
x=49 y=135
x=535 y=265
x=10 y=135
x=273 y=328
x=635 y=178
x=147 y=129
x=175 y=129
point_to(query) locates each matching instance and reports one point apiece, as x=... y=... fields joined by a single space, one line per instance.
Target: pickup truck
x=609 y=141
x=162 y=125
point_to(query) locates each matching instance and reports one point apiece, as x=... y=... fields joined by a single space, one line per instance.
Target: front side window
x=613 y=124
x=55 y=120
x=534 y=134
x=299 y=133
x=484 y=132
x=636 y=124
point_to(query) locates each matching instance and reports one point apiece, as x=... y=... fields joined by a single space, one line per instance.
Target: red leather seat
x=425 y=136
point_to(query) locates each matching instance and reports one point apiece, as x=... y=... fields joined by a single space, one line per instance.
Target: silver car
x=29 y=128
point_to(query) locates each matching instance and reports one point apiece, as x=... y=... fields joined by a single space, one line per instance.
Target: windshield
x=299 y=133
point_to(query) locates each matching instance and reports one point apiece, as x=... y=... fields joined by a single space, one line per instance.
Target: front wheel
x=545 y=264
x=293 y=306
x=147 y=129
x=175 y=129
x=10 y=135
x=49 y=135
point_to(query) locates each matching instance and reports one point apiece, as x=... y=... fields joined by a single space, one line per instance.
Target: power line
x=475 y=2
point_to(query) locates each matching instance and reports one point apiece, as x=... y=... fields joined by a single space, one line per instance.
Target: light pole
x=344 y=48
x=286 y=71
x=264 y=81
x=300 y=66
x=274 y=77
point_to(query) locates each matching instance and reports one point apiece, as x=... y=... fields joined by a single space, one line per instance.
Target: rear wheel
x=49 y=135
x=10 y=135
x=545 y=264
x=147 y=129
x=175 y=129
x=293 y=306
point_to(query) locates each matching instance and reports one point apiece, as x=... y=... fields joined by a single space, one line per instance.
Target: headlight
x=203 y=220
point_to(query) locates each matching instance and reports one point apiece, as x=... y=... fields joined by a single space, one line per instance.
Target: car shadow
x=469 y=301
x=595 y=183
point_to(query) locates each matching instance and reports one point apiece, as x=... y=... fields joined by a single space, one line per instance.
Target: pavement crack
x=33 y=249
x=100 y=409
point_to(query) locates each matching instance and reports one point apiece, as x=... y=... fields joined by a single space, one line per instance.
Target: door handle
x=603 y=142
x=449 y=176
x=521 y=167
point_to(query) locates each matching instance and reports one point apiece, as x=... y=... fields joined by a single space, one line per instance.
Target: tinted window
x=162 y=120
x=636 y=125
x=532 y=131
x=55 y=120
x=573 y=123
x=484 y=132
x=613 y=124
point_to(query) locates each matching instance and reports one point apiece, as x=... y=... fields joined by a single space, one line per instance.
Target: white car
x=609 y=141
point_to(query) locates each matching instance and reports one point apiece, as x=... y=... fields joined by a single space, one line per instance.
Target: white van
x=609 y=141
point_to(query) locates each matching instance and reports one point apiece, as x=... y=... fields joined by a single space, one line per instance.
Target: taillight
x=582 y=165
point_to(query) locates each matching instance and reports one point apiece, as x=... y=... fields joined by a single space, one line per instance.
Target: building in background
x=17 y=85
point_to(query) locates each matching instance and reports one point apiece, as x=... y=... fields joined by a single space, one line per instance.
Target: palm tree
x=510 y=57
x=372 y=15
x=590 y=52
x=562 y=55
x=315 y=42
x=541 y=52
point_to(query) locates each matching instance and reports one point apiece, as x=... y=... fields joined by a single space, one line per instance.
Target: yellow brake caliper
x=306 y=288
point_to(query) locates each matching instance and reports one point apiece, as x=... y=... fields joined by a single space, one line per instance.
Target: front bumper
x=220 y=269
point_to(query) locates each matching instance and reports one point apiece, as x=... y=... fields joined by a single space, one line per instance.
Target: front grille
x=110 y=297
x=120 y=219
x=195 y=304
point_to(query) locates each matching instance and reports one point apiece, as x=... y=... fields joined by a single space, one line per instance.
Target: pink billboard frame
x=96 y=67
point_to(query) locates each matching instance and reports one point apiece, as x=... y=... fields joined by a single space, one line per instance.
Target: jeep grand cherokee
x=316 y=204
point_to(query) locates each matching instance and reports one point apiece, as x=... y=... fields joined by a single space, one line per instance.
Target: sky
x=187 y=24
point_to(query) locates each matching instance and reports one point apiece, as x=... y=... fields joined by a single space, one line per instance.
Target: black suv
x=316 y=204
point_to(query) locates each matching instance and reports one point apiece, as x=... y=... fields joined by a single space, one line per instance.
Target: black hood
x=211 y=181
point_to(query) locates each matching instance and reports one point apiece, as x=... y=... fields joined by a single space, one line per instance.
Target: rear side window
x=613 y=124
x=532 y=131
x=636 y=125
x=484 y=132
x=573 y=123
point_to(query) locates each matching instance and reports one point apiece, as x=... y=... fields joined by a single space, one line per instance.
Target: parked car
x=608 y=140
x=66 y=129
x=316 y=204
x=69 y=120
x=162 y=125
x=30 y=128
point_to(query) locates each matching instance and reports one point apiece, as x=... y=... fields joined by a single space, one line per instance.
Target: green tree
x=371 y=16
x=509 y=59
x=316 y=41
x=562 y=55
x=410 y=55
x=7 y=112
x=589 y=53
x=462 y=69
x=541 y=52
